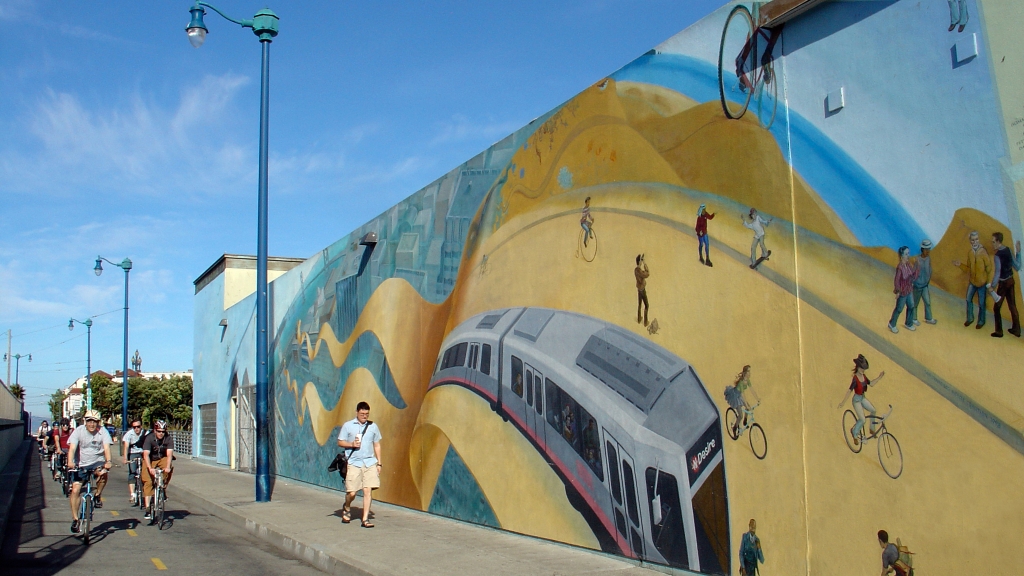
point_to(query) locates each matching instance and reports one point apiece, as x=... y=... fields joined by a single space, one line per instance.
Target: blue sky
x=120 y=139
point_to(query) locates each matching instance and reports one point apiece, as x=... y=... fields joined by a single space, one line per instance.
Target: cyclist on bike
x=772 y=36
x=89 y=453
x=587 y=221
x=858 y=388
x=63 y=439
x=157 y=451
x=132 y=451
x=42 y=435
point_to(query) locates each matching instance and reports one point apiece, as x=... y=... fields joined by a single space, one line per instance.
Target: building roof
x=242 y=262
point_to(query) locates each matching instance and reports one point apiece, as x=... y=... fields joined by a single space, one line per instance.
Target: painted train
x=627 y=425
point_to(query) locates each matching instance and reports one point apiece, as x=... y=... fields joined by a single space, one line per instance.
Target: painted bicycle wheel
x=737 y=38
x=758 y=441
x=849 y=421
x=732 y=423
x=890 y=456
x=587 y=249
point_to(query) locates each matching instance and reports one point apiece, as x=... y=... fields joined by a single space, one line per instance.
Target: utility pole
x=8 y=381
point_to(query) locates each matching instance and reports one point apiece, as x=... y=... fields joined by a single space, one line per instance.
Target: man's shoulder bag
x=340 y=462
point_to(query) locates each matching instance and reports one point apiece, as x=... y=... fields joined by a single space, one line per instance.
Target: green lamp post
x=264 y=25
x=88 y=358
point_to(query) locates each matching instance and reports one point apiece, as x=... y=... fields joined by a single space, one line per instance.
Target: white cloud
x=462 y=129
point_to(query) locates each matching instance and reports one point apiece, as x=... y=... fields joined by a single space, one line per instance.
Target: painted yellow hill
x=643 y=101
x=740 y=160
x=587 y=142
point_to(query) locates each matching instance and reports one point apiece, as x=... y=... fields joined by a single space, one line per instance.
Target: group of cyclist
x=84 y=452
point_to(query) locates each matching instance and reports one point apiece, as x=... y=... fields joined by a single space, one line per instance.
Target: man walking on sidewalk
x=1005 y=262
x=362 y=437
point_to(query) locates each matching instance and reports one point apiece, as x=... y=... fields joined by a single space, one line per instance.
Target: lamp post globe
x=196 y=29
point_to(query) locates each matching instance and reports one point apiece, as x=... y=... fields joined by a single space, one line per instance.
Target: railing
x=182 y=441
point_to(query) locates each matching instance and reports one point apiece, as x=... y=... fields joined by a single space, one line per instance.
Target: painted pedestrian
x=757 y=224
x=979 y=269
x=641 y=273
x=922 y=284
x=903 y=288
x=1004 y=263
x=703 y=243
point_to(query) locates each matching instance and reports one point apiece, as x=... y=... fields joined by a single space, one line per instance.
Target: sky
x=121 y=140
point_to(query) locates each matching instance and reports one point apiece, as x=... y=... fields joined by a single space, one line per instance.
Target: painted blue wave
x=870 y=212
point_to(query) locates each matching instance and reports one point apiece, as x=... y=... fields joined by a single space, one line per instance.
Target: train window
x=449 y=354
x=517 y=377
x=437 y=366
x=474 y=352
x=591 y=443
x=620 y=522
x=613 y=476
x=629 y=484
x=539 y=395
x=669 y=536
x=570 y=425
x=529 y=387
x=485 y=359
x=551 y=396
x=460 y=354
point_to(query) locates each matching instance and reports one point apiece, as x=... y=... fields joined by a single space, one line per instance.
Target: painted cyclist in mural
x=859 y=387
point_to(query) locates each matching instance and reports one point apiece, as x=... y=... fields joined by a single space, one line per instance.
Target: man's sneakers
x=74 y=527
x=99 y=502
x=148 y=515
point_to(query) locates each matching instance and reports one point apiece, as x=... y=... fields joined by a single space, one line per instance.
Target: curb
x=10 y=480
x=312 y=555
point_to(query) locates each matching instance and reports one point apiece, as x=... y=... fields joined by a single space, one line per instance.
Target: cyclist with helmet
x=63 y=444
x=132 y=451
x=88 y=453
x=157 y=451
x=43 y=436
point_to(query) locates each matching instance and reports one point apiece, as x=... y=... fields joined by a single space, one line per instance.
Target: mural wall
x=749 y=300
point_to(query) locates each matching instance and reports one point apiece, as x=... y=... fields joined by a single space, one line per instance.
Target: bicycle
x=88 y=504
x=136 y=464
x=58 y=467
x=157 y=501
x=754 y=65
x=890 y=456
x=758 y=440
x=587 y=251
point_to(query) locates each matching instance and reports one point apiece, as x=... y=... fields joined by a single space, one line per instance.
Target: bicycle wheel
x=768 y=97
x=737 y=36
x=758 y=441
x=731 y=423
x=85 y=520
x=889 y=455
x=589 y=251
x=849 y=421
x=158 y=510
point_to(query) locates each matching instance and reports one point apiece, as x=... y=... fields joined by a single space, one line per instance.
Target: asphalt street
x=39 y=540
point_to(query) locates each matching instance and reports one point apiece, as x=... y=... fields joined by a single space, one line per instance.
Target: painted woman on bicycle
x=858 y=388
x=587 y=221
x=88 y=454
x=744 y=391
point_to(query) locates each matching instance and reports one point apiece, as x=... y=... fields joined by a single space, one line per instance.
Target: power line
x=63 y=325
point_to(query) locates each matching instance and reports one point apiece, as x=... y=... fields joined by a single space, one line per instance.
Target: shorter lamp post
x=17 y=364
x=125 y=265
x=88 y=358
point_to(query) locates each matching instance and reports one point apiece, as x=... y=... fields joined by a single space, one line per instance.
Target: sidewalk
x=305 y=521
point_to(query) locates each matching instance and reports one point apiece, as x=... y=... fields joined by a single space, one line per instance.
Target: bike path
x=39 y=541
x=305 y=521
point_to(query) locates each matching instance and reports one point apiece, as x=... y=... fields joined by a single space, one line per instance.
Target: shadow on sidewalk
x=25 y=525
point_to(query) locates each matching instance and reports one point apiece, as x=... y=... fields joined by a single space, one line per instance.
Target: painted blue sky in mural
x=123 y=140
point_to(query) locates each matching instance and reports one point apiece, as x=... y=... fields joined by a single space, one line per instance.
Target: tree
x=56 y=404
x=149 y=400
x=17 y=391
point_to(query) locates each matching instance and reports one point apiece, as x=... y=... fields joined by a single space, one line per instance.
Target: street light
x=125 y=265
x=264 y=25
x=88 y=358
x=17 y=364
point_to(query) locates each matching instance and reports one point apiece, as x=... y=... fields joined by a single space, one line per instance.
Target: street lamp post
x=264 y=25
x=88 y=358
x=125 y=265
x=17 y=364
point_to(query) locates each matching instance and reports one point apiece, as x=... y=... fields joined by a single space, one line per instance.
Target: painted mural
x=747 y=303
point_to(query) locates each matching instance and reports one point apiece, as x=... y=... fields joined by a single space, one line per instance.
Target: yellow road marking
x=114 y=513
x=131 y=532
x=159 y=565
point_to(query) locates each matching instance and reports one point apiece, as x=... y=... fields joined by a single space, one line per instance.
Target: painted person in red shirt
x=903 y=288
x=858 y=388
x=702 y=235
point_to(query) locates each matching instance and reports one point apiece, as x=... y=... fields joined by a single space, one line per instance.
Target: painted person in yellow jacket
x=979 y=267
